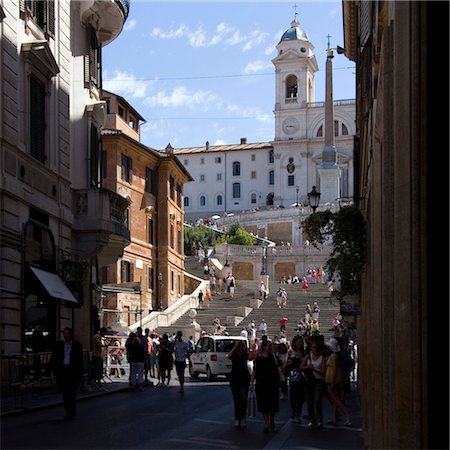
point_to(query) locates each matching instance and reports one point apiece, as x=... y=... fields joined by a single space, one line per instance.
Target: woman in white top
x=315 y=363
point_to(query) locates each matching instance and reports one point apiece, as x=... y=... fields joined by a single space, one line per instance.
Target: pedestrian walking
x=283 y=321
x=200 y=299
x=181 y=351
x=137 y=362
x=266 y=379
x=239 y=381
x=333 y=380
x=315 y=311
x=165 y=359
x=314 y=387
x=296 y=380
x=67 y=363
x=99 y=345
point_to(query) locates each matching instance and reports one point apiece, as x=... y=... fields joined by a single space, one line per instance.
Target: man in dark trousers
x=68 y=369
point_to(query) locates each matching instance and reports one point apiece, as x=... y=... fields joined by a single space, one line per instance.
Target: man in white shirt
x=244 y=333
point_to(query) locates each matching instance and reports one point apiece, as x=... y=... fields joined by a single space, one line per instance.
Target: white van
x=210 y=356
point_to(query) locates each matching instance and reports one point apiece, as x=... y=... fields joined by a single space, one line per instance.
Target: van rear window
x=224 y=346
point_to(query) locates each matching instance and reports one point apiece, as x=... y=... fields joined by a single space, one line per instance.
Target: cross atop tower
x=328 y=36
x=295 y=11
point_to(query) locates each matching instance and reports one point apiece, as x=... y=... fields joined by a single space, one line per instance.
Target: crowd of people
x=303 y=371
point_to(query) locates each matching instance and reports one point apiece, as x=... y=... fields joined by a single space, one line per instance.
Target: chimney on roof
x=169 y=149
x=243 y=141
x=207 y=145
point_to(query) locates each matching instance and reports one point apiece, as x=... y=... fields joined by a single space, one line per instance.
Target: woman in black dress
x=267 y=380
x=240 y=381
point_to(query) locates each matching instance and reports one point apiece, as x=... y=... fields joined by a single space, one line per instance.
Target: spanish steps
x=247 y=306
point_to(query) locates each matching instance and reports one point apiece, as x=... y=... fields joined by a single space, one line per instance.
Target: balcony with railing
x=106 y=16
x=349 y=101
x=100 y=224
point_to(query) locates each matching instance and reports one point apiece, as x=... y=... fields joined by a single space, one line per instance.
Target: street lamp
x=264 y=256
x=160 y=280
x=314 y=199
x=227 y=263
x=296 y=203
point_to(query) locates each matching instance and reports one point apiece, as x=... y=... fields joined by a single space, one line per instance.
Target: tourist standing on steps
x=231 y=283
x=263 y=327
x=181 y=351
x=239 y=381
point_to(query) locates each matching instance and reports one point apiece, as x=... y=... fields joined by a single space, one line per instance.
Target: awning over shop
x=54 y=285
x=216 y=263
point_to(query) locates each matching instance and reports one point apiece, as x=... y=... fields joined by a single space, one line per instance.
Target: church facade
x=279 y=173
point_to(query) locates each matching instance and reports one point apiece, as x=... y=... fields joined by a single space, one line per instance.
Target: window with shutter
x=92 y=62
x=42 y=13
x=37 y=119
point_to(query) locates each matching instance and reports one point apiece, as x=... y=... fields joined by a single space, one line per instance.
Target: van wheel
x=209 y=375
x=192 y=373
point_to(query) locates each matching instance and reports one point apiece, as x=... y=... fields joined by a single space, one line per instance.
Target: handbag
x=251 y=403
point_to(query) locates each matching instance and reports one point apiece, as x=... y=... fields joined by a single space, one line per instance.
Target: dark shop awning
x=54 y=285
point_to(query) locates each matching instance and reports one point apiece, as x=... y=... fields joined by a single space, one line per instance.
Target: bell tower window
x=291 y=89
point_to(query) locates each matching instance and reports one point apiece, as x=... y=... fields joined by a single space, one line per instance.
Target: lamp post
x=314 y=199
x=296 y=203
x=160 y=280
x=227 y=263
x=263 y=262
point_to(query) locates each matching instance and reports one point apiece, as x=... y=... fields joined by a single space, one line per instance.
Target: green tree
x=198 y=234
x=347 y=230
x=237 y=235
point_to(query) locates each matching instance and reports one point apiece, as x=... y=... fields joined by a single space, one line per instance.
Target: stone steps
x=243 y=308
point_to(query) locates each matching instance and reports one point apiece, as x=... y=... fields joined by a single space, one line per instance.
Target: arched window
x=186 y=202
x=219 y=200
x=270 y=156
x=344 y=130
x=269 y=199
x=236 y=190
x=320 y=131
x=236 y=169
x=253 y=199
x=202 y=200
x=291 y=86
x=272 y=177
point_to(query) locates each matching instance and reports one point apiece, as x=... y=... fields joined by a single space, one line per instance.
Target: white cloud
x=174 y=33
x=257 y=66
x=130 y=24
x=198 y=38
x=269 y=50
x=181 y=97
x=255 y=38
x=124 y=84
x=235 y=39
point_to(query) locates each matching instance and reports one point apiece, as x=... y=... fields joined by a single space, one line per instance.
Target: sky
x=202 y=71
